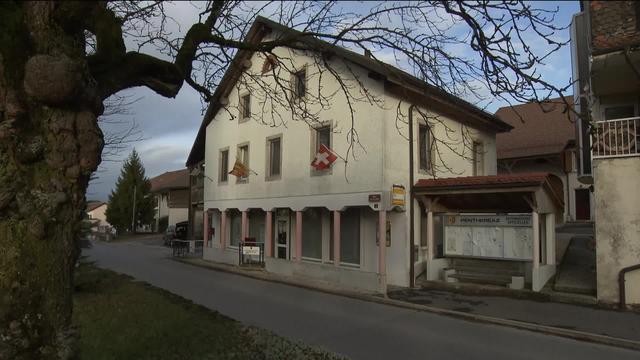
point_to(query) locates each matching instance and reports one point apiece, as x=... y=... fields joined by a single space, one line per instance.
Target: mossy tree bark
x=51 y=93
x=50 y=144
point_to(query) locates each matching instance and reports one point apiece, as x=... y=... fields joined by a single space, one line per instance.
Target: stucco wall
x=177 y=215
x=618 y=225
x=381 y=155
x=99 y=214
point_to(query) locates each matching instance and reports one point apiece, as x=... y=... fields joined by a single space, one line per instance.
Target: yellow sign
x=398 y=194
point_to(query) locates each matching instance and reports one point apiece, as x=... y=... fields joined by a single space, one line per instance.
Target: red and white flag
x=324 y=158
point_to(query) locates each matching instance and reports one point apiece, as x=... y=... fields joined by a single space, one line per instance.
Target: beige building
x=171 y=195
x=543 y=139
x=606 y=59
x=97 y=217
x=325 y=223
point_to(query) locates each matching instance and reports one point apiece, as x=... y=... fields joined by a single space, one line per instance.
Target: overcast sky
x=168 y=126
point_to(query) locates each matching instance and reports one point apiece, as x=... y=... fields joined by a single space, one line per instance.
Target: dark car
x=181 y=230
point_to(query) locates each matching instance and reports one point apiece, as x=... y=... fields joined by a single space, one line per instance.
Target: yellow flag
x=239 y=169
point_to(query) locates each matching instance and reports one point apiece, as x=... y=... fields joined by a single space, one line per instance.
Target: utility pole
x=133 y=213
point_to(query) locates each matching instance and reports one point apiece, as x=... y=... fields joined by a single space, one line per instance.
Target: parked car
x=181 y=230
x=169 y=235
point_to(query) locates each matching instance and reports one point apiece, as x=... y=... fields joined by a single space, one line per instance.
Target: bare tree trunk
x=50 y=144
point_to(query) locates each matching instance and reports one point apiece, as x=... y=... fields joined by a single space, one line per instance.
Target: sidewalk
x=589 y=319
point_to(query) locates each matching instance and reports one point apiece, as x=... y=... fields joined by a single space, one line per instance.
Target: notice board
x=504 y=237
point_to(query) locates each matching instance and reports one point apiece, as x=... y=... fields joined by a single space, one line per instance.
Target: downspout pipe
x=621 y=283
x=411 y=207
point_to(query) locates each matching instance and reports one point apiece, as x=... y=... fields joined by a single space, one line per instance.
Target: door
x=282 y=236
x=583 y=204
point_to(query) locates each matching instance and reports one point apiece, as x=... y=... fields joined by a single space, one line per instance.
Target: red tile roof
x=538 y=129
x=178 y=179
x=523 y=179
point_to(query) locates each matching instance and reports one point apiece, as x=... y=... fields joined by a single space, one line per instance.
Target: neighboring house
x=171 y=196
x=96 y=214
x=543 y=140
x=196 y=200
x=325 y=222
x=606 y=63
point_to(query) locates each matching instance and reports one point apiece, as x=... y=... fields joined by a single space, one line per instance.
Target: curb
x=544 y=329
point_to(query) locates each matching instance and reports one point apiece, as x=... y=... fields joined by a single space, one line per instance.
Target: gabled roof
x=170 y=180
x=92 y=205
x=544 y=129
x=409 y=84
x=480 y=182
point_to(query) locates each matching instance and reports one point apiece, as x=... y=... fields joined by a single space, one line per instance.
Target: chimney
x=367 y=54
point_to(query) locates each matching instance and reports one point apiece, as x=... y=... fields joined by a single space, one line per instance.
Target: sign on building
x=398 y=193
x=507 y=237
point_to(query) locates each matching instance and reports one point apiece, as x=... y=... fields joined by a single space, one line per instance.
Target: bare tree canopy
x=60 y=61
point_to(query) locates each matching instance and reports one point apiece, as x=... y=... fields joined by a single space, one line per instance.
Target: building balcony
x=616 y=138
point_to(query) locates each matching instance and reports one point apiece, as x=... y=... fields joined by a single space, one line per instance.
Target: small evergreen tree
x=132 y=186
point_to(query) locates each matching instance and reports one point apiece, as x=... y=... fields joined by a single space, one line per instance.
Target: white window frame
x=242 y=108
x=268 y=175
x=243 y=180
x=222 y=171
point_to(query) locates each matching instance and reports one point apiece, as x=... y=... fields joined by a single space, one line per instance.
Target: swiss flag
x=324 y=158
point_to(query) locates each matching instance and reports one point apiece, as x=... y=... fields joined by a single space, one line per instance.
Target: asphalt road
x=355 y=328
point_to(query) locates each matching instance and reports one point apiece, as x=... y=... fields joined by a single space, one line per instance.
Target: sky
x=166 y=128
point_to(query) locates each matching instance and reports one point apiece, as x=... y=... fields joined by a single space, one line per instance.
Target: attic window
x=270 y=63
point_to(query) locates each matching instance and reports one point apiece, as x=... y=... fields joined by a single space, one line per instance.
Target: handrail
x=621 y=283
x=616 y=138
x=620 y=119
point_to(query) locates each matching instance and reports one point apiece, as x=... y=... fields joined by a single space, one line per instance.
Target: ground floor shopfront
x=338 y=246
x=336 y=239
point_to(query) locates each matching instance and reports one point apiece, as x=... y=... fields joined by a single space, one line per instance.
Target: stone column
x=336 y=237
x=223 y=229
x=536 y=239
x=382 y=243
x=268 y=239
x=550 y=226
x=298 y=235
x=206 y=228
x=244 y=225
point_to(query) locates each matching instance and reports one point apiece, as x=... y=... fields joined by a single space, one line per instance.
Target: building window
x=300 y=84
x=245 y=107
x=323 y=137
x=243 y=157
x=312 y=233
x=235 y=230
x=619 y=112
x=349 y=236
x=274 y=160
x=478 y=158
x=424 y=145
x=224 y=166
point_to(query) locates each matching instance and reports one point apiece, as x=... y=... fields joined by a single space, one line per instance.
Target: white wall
x=381 y=156
x=177 y=215
x=618 y=225
x=99 y=214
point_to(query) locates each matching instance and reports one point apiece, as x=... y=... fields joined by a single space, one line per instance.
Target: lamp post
x=133 y=213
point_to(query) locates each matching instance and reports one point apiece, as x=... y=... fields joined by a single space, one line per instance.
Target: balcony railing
x=616 y=138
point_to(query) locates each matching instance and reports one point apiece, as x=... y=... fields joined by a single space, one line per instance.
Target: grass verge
x=119 y=318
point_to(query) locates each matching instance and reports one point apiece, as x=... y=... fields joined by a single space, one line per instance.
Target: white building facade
x=324 y=225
